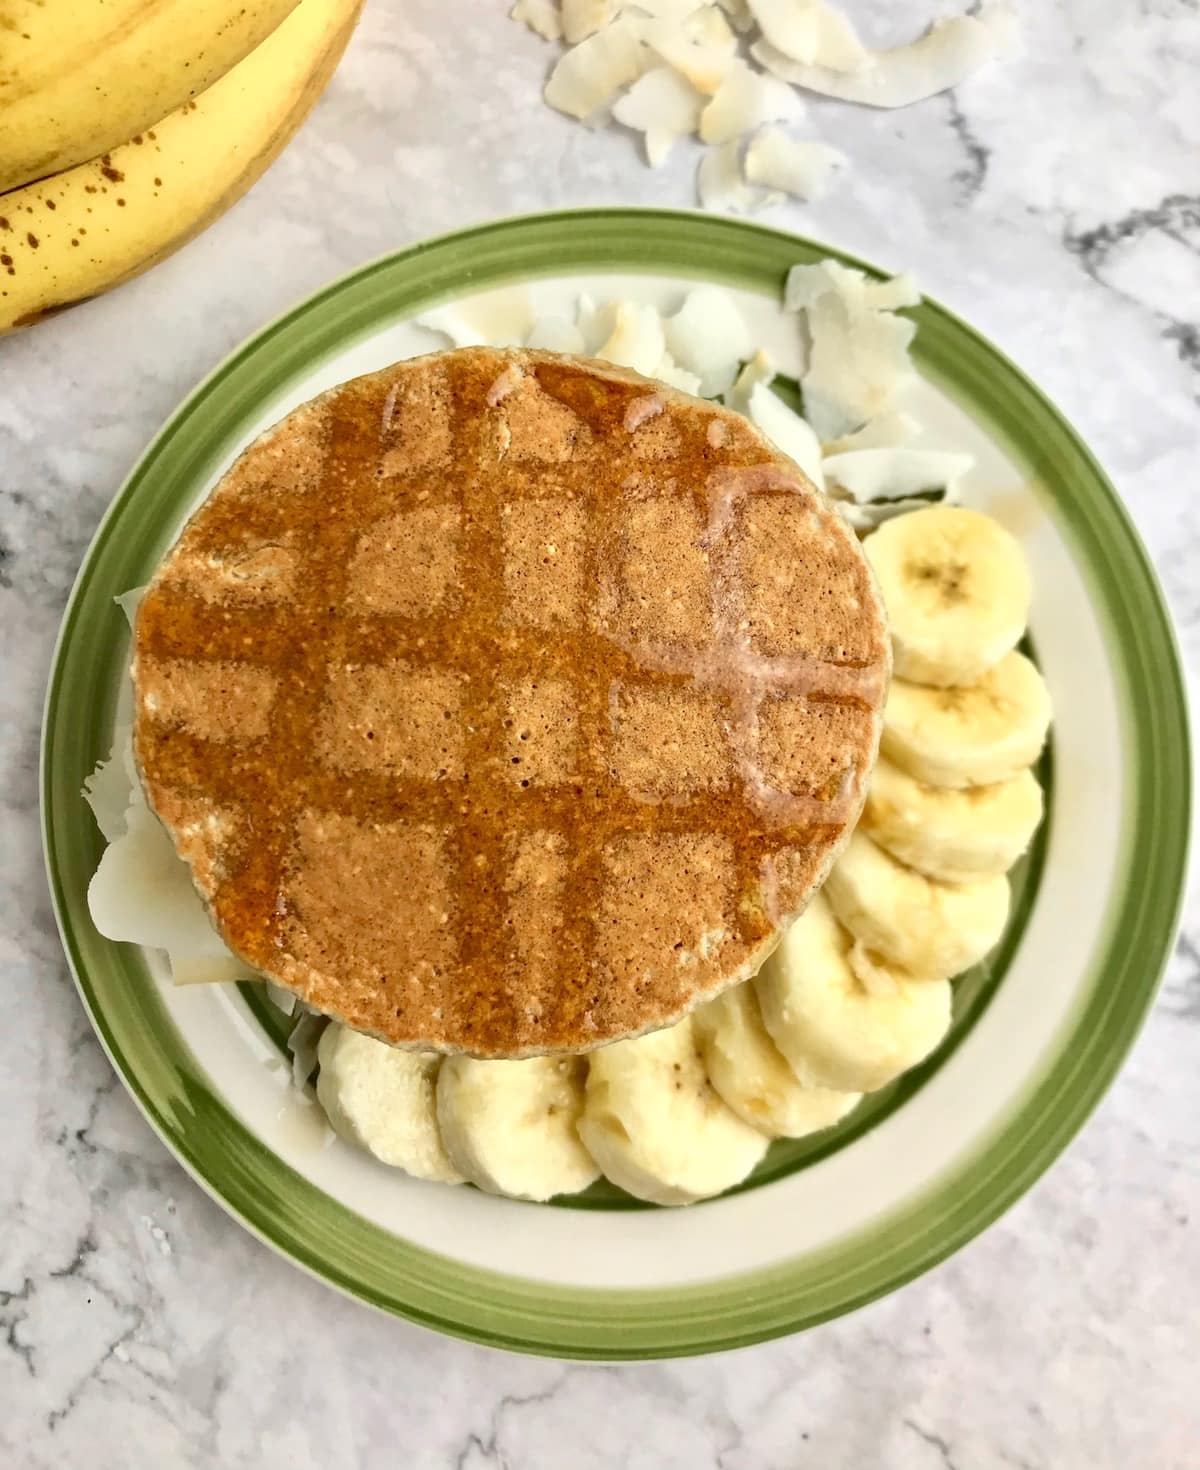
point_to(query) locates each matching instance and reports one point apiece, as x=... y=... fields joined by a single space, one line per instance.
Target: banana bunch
x=126 y=128
x=858 y=991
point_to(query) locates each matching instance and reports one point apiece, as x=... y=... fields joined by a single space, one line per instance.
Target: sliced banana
x=511 y=1127
x=954 y=836
x=931 y=930
x=976 y=736
x=655 y=1125
x=835 y=1030
x=956 y=587
x=383 y=1099
x=753 y=1077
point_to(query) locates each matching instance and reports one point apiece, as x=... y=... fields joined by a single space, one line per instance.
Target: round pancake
x=506 y=703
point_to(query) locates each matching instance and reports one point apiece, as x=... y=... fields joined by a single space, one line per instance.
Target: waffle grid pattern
x=509 y=724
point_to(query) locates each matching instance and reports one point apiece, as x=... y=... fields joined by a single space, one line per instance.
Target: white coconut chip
x=142 y=893
x=302 y=1043
x=759 y=369
x=708 y=336
x=867 y=518
x=885 y=431
x=589 y=75
x=129 y=602
x=858 y=357
x=636 y=340
x=541 y=16
x=556 y=334
x=720 y=185
x=664 y=106
x=224 y=969
x=112 y=787
x=583 y=18
x=788 y=432
x=894 y=474
x=807 y=283
x=669 y=371
x=744 y=101
x=595 y=321
x=950 y=51
x=796 y=166
x=447 y=322
x=281 y=998
x=738 y=12
x=811 y=32
x=700 y=47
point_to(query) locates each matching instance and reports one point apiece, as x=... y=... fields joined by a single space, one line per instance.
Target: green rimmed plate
x=826 y=1224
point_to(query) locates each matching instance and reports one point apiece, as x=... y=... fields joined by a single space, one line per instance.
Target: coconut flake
x=594 y=321
x=807 y=283
x=541 y=16
x=759 y=369
x=302 y=1043
x=636 y=340
x=867 y=518
x=664 y=106
x=281 y=998
x=885 y=431
x=590 y=74
x=894 y=474
x=811 y=32
x=801 y=168
x=950 y=51
x=447 y=322
x=708 y=336
x=789 y=433
x=109 y=791
x=142 y=893
x=858 y=358
x=129 y=602
x=738 y=12
x=556 y=334
x=224 y=969
x=583 y=18
x=744 y=101
x=669 y=371
x=720 y=185
x=701 y=47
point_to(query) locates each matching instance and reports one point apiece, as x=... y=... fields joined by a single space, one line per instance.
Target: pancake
x=508 y=703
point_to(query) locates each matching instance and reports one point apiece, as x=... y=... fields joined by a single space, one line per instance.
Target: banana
x=71 y=236
x=383 y=1099
x=977 y=736
x=956 y=587
x=512 y=1127
x=930 y=930
x=82 y=76
x=838 y=1030
x=752 y=1076
x=654 y=1124
x=954 y=836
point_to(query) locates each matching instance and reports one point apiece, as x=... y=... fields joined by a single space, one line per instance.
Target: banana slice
x=383 y=1099
x=954 y=836
x=753 y=1077
x=656 y=1127
x=978 y=736
x=512 y=1127
x=956 y=587
x=838 y=1030
x=931 y=930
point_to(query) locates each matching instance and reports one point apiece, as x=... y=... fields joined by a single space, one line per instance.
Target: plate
x=825 y=1224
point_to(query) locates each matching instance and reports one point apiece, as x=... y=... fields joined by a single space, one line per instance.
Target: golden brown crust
x=504 y=702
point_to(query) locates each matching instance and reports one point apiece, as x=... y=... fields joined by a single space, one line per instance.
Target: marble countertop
x=1056 y=203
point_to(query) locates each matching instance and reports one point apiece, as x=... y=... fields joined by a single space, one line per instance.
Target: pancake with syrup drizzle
x=507 y=703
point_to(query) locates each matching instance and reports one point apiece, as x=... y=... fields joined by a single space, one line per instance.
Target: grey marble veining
x=1054 y=201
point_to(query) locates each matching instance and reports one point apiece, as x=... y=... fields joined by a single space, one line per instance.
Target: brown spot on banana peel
x=318 y=79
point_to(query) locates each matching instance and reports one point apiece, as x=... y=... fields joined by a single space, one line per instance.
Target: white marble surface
x=1056 y=203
